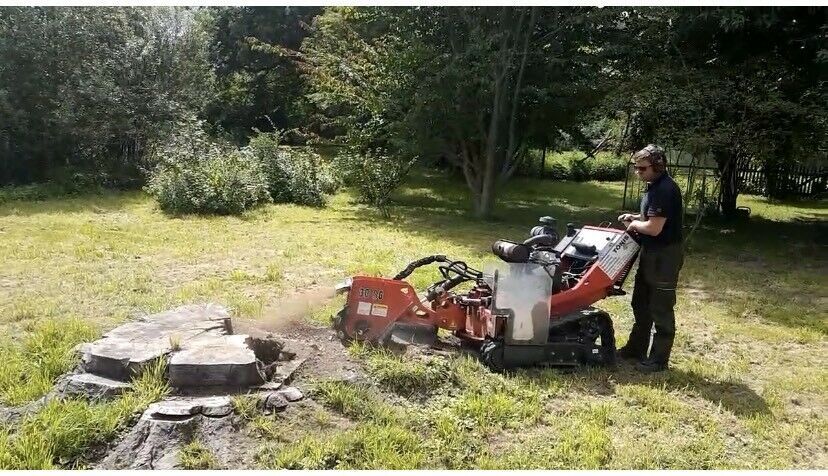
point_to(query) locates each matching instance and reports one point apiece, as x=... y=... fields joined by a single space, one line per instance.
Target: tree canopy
x=91 y=89
x=87 y=88
x=742 y=84
x=476 y=86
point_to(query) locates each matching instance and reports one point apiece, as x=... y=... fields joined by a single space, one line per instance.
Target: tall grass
x=32 y=364
x=64 y=430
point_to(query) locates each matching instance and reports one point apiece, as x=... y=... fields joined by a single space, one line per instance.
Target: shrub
x=572 y=166
x=607 y=168
x=558 y=171
x=374 y=175
x=579 y=170
x=294 y=175
x=197 y=175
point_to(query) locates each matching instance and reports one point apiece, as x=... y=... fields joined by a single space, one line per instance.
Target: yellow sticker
x=379 y=310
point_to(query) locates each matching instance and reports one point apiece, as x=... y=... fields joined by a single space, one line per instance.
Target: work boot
x=662 y=347
x=629 y=353
x=650 y=366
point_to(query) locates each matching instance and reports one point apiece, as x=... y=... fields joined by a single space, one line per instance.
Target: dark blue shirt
x=663 y=199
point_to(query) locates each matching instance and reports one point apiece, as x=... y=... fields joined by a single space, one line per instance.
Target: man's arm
x=651 y=227
x=625 y=217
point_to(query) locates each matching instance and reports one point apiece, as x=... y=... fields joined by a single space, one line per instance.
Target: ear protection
x=655 y=154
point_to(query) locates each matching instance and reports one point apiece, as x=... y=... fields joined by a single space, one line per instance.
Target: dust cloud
x=286 y=310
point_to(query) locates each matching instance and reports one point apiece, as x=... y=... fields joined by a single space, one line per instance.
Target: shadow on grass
x=799 y=204
x=434 y=206
x=96 y=202
x=772 y=270
x=735 y=397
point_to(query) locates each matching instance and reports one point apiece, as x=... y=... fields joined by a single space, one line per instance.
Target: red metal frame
x=375 y=304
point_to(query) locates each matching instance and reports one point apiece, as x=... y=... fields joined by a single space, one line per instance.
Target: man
x=658 y=227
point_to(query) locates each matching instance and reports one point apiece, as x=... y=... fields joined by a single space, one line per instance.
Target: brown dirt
x=326 y=357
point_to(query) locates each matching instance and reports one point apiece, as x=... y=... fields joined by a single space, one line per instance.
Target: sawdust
x=287 y=310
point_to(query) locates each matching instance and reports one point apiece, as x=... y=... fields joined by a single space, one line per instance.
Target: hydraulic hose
x=419 y=263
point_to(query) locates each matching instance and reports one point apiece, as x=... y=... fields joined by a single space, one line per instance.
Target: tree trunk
x=484 y=205
x=728 y=186
x=620 y=145
x=543 y=163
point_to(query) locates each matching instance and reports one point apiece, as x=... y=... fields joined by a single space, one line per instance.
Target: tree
x=474 y=84
x=740 y=84
x=87 y=88
x=258 y=84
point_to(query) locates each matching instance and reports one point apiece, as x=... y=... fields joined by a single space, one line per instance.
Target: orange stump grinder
x=535 y=308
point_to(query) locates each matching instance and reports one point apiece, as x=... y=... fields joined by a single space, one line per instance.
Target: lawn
x=748 y=389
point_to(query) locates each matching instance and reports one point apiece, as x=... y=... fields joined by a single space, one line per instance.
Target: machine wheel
x=336 y=319
x=338 y=326
x=601 y=323
x=491 y=352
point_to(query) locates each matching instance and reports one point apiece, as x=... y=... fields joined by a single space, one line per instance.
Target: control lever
x=548 y=260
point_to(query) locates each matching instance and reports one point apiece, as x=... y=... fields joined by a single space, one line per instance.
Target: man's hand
x=626 y=218
x=651 y=227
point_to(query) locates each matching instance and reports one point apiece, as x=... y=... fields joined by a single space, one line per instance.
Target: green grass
x=62 y=432
x=245 y=406
x=197 y=456
x=358 y=402
x=747 y=389
x=401 y=375
x=368 y=446
x=32 y=364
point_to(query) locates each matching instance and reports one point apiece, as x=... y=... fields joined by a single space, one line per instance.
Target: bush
x=197 y=175
x=608 y=168
x=294 y=175
x=373 y=174
x=579 y=170
x=571 y=165
x=558 y=171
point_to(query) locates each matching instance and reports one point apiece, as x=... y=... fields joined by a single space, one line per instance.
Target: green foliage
x=572 y=165
x=475 y=85
x=295 y=175
x=196 y=175
x=86 y=89
x=374 y=174
x=557 y=171
x=258 y=83
x=749 y=92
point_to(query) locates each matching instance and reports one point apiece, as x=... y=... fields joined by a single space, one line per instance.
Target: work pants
x=653 y=300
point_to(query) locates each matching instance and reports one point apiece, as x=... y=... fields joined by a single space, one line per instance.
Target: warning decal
x=618 y=255
x=379 y=310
